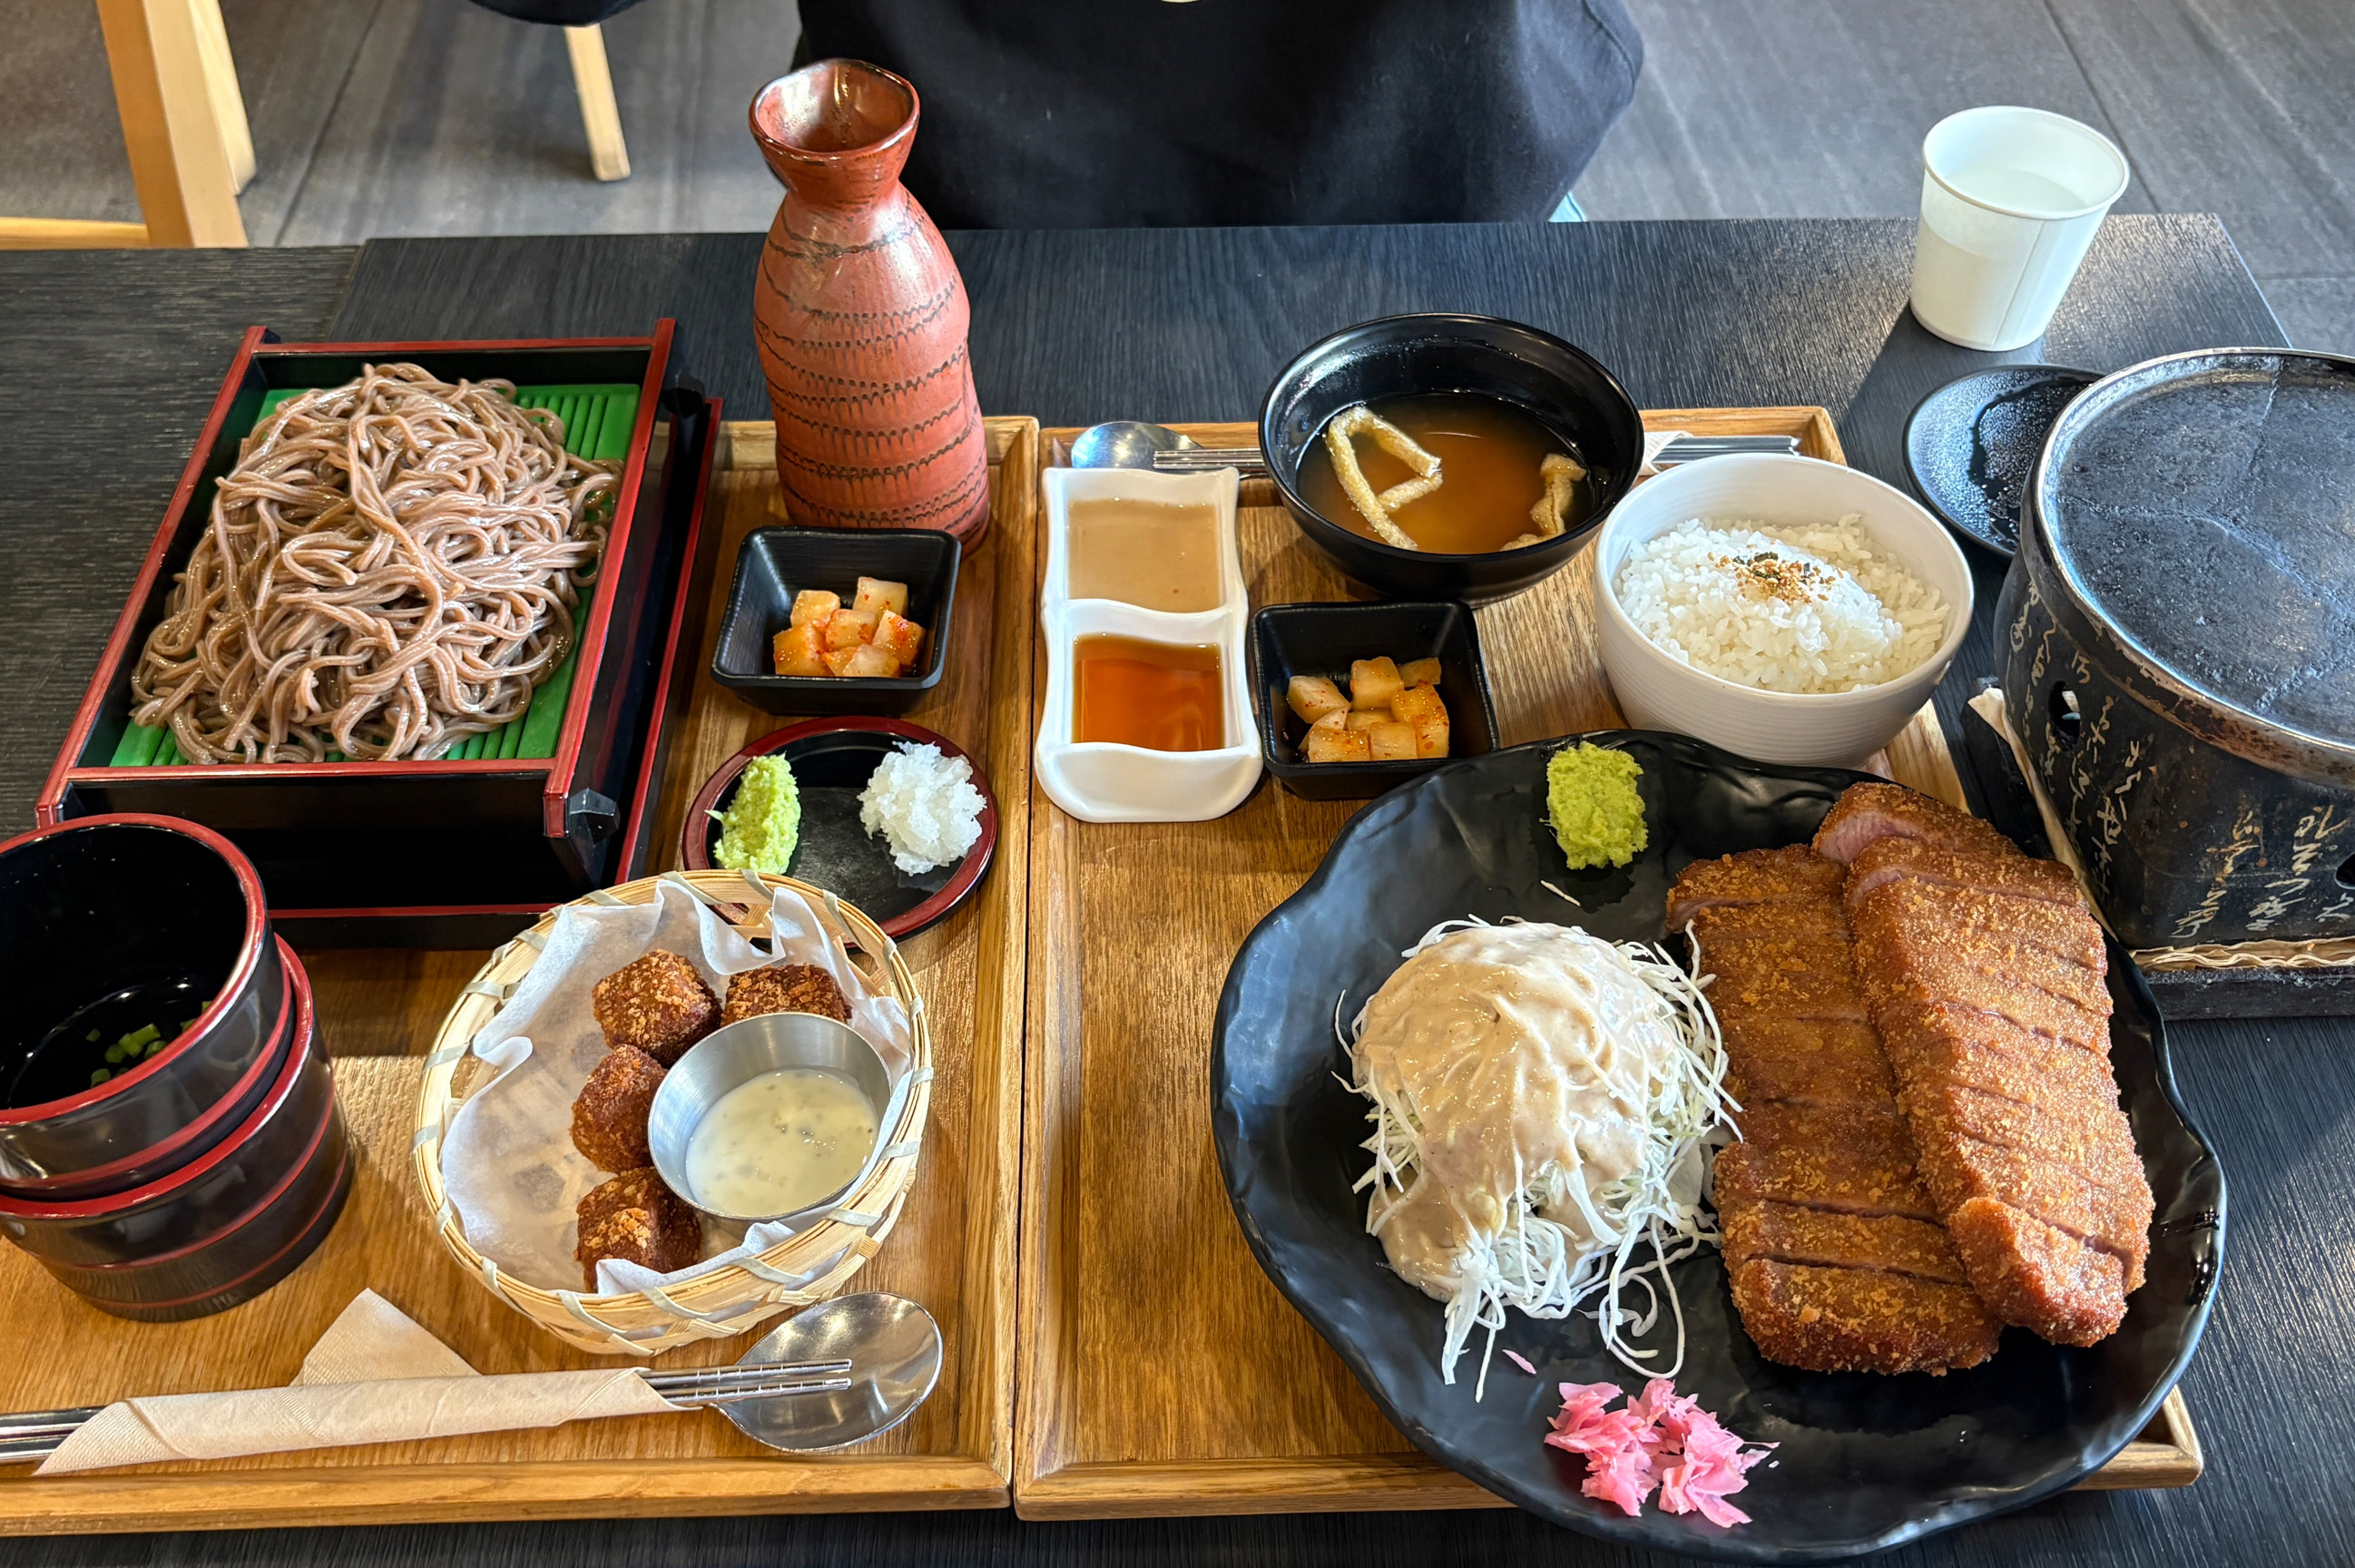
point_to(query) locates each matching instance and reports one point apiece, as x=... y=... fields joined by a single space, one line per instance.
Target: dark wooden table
x=107 y=363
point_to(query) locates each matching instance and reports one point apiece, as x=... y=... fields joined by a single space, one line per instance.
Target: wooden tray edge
x=2166 y=1455
x=478 y=1493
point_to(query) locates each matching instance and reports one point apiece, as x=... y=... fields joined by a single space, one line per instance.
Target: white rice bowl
x=1815 y=607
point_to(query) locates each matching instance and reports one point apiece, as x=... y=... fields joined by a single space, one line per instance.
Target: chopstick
x=1684 y=449
x=32 y=1434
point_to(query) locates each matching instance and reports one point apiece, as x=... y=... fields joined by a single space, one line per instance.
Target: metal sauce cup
x=735 y=1055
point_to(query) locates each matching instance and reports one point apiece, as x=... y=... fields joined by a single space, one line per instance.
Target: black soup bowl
x=1563 y=388
x=128 y=931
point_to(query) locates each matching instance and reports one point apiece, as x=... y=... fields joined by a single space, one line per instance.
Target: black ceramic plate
x=1865 y=1462
x=832 y=761
x=1971 y=444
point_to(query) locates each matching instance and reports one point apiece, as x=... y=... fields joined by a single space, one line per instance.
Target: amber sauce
x=1146 y=553
x=1164 y=697
x=1489 y=453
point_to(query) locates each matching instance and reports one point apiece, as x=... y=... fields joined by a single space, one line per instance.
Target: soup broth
x=1164 y=697
x=1489 y=451
x=1146 y=553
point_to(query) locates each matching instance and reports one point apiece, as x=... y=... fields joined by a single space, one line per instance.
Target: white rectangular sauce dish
x=1101 y=780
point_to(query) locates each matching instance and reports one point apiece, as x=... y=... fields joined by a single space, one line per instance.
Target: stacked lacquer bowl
x=169 y=1142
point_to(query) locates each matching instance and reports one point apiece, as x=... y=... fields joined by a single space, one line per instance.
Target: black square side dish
x=1323 y=639
x=776 y=564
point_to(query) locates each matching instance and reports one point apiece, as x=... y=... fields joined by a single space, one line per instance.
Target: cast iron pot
x=2176 y=635
x=96 y=905
x=1563 y=388
x=221 y=1229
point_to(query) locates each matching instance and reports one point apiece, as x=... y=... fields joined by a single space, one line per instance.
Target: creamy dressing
x=1147 y=553
x=778 y=1142
x=1528 y=1058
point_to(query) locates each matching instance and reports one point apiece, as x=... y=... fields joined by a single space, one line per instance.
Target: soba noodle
x=392 y=566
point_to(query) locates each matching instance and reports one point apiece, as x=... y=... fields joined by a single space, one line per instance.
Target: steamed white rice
x=1806 y=608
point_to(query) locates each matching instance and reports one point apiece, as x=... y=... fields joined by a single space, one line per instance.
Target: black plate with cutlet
x=1864 y=1460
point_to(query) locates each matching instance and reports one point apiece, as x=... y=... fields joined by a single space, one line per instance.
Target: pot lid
x=2199 y=512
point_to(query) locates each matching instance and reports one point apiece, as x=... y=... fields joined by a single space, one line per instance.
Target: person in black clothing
x=1121 y=114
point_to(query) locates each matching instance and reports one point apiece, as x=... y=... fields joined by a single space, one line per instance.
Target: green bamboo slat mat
x=597 y=418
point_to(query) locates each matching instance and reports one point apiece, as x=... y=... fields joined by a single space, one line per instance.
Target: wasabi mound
x=762 y=824
x=1592 y=804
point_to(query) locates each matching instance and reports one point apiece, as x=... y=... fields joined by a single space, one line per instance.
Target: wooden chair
x=191 y=150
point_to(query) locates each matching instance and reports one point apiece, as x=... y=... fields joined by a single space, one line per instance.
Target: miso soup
x=1489 y=453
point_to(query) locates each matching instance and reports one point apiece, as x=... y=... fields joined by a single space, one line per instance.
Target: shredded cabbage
x=1540 y=1265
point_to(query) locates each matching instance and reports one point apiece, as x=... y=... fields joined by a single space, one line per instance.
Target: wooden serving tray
x=1160 y=1372
x=952 y=1250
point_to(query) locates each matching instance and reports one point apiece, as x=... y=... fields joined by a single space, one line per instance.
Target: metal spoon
x=1126 y=443
x=1134 y=443
x=894 y=1349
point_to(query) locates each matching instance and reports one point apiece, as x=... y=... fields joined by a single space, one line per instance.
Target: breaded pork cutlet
x=1913 y=957
x=1809 y=1061
x=1903 y=930
x=1836 y=1159
x=1776 y=920
x=1755 y=876
x=1900 y=858
x=1836 y=1259
x=1991 y=1000
x=1992 y=1053
x=2059 y=1130
x=1987 y=920
x=2068 y=1289
x=1860 y=1319
x=1866 y=813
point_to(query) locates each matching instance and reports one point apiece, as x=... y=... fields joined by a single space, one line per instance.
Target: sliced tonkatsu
x=1987 y=981
x=1809 y=1061
x=1885 y=860
x=1867 y=813
x=1836 y=1259
x=1983 y=919
x=1760 y=876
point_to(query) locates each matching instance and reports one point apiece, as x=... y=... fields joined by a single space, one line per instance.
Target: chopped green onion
x=99 y=1077
x=114 y=1054
x=94 y=1036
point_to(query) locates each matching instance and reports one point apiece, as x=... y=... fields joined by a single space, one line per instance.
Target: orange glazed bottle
x=860 y=316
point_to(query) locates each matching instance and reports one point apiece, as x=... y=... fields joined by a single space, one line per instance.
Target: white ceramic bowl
x=1656 y=690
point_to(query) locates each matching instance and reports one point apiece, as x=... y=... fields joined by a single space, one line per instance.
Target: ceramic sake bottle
x=860 y=316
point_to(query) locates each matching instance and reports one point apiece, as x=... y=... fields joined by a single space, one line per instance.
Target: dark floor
x=378 y=117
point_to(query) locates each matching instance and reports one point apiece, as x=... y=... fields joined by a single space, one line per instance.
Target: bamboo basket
x=796 y=1273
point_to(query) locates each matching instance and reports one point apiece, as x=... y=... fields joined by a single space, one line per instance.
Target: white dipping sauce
x=778 y=1142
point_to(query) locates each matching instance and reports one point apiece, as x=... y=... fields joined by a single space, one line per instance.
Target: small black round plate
x=832 y=761
x=1863 y=1462
x=1972 y=442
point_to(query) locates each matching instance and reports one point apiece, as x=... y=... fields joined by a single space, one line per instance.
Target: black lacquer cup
x=107 y=922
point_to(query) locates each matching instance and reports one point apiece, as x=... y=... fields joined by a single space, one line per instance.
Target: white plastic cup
x=2010 y=200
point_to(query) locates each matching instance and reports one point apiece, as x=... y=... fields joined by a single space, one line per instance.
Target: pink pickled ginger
x=1660 y=1439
